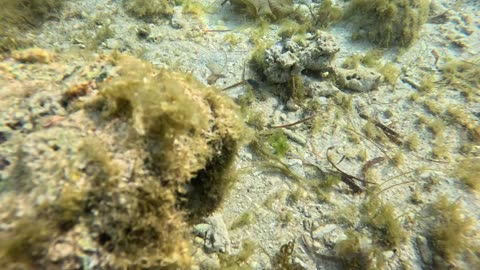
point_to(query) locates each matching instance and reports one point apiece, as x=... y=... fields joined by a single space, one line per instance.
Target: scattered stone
x=177 y=21
x=112 y=43
x=317 y=88
x=291 y=106
x=201 y=229
x=296 y=165
x=217 y=238
x=60 y=251
x=320 y=232
x=424 y=250
x=388 y=255
x=296 y=137
x=361 y=79
x=331 y=236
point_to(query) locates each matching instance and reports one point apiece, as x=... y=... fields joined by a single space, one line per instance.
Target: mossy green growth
x=450 y=234
x=245 y=219
x=257 y=59
x=239 y=260
x=390 y=73
x=296 y=88
x=413 y=142
x=389 y=22
x=283 y=258
x=194 y=8
x=344 y=101
x=148 y=8
x=356 y=253
x=427 y=83
x=127 y=220
x=25 y=243
x=463 y=75
x=17 y=16
x=279 y=142
x=370 y=59
x=381 y=216
x=327 y=14
x=353 y=61
x=271 y=10
x=289 y=27
x=191 y=131
x=467 y=170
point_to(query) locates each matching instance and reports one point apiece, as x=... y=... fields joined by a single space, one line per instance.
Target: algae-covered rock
x=272 y=9
x=148 y=8
x=115 y=184
x=289 y=58
x=186 y=126
x=389 y=22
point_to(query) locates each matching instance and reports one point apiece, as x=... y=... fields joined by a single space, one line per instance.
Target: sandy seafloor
x=294 y=213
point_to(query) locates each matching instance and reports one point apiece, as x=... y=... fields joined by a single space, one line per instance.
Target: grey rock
x=320 y=88
x=112 y=43
x=424 y=250
x=217 y=238
x=210 y=264
x=296 y=137
x=361 y=79
x=320 y=232
x=291 y=106
x=296 y=166
x=177 y=21
x=201 y=229
x=289 y=58
x=388 y=255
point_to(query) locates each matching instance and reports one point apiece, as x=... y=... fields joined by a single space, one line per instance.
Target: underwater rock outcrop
x=113 y=181
x=289 y=58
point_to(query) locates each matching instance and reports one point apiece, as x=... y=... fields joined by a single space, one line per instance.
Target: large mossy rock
x=109 y=174
x=389 y=22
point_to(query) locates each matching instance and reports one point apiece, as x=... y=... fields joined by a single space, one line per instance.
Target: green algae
x=147 y=9
x=271 y=10
x=18 y=17
x=381 y=216
x=450 y=235
x=389 y=23
x=467 y=171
